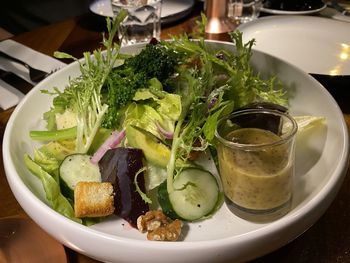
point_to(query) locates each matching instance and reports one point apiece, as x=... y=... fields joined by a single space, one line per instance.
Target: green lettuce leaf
x=50 y=156
x=152 y=109
x=143 y=116
x=53 y=194
x=154 y=176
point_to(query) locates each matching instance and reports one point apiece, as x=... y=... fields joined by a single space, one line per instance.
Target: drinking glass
x=142 y=22
x=256 y=162
x=242 y=11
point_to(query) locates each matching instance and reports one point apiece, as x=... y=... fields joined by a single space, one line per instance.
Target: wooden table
x=328 y=240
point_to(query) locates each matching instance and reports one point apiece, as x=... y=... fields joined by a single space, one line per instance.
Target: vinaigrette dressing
x=256 y=180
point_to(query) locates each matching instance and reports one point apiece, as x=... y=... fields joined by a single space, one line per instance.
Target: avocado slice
x=154 y=150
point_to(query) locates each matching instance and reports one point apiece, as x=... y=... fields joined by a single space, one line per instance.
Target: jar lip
x=289 y=135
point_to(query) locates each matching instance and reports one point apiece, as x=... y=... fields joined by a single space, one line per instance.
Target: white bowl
x=321 y=163
x=314 y=44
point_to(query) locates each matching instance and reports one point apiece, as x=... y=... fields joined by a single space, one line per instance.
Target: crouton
x=93 y=199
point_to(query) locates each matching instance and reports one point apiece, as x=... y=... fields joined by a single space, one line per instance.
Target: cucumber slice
x=196 y=194
x=76 y=168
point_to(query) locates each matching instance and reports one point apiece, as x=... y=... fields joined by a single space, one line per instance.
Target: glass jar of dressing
x=256 y=162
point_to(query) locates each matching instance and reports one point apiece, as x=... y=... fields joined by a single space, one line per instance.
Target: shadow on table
x=338 y=87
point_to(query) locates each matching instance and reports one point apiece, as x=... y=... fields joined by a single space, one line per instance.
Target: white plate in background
x=287 y=12
x=314 y=44
x=172 y=10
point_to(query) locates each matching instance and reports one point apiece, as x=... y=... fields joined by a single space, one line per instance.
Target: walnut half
x=159 y=227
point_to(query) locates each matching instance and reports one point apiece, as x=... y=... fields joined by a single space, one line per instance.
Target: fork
x=35 y=75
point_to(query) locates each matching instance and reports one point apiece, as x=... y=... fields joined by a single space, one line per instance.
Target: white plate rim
x=286 y=12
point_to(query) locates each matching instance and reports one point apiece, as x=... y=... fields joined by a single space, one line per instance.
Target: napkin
x=9 y=96
x=33 y=58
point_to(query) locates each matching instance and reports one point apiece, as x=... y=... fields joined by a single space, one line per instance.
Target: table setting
x=13 y=52
x=305 y=46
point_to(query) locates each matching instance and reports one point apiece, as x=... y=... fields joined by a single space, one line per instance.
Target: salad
x=129 y=129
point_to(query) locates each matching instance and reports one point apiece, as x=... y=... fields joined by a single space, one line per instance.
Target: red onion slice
x=165 y=133
x=112 y=141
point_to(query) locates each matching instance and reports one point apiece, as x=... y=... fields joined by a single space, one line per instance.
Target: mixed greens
x=166 y=101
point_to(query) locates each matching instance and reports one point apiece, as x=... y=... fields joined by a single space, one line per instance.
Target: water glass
x=256 y=162
x=142 y=22
x=242 y=11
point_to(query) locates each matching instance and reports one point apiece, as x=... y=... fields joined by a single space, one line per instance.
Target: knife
x=15 y=81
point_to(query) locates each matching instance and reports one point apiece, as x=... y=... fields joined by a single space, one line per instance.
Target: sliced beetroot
x=119 y=167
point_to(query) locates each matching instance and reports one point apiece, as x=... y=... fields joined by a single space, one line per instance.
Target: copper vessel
x=217 y=15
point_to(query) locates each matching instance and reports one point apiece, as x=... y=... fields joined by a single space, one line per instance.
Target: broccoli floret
x=155 y=61
x=121 y=85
